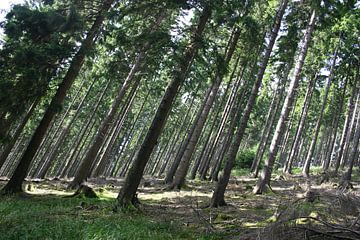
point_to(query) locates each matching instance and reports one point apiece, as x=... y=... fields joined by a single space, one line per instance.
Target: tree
x=15 y=183
x=264 y=179
x=127 y=194
x=218 y=195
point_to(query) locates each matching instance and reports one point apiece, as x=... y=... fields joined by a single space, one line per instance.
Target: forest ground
x=46 y=211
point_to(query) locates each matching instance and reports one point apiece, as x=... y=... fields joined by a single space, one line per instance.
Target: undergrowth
x=45 y=217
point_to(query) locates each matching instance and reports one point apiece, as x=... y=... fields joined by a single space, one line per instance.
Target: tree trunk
x=295 y=144
x=71 y=157
x=15 y=183
x=88 y=161
x=273 y=110
x=289 y=100
x=306 y=168
x=174 y=166
x=346 y=127
x=355 y=145
x=127 y=195
x=63 y=134
x=9 y=146
x=218 y=195
x=104 y=158
x=182 y=170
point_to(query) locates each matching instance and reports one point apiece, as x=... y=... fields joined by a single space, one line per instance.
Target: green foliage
x=37 y=42
x=245 y=158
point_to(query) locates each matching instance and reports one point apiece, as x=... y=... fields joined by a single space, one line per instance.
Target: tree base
x=346 y=185
x=9 y=189
x=126 y=205
x=85 y=191
x=218 y=203
x=262 y=189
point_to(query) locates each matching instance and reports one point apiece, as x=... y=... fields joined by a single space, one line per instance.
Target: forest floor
x=290 y=211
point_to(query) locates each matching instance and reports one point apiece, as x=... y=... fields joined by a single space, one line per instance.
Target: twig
x=355 y=222
x=327 y=234
x=333 y=226
x=207 y=223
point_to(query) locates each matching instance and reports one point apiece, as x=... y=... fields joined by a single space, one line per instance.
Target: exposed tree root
x=85 y=191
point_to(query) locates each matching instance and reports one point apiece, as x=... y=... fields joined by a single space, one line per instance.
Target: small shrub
x=245 y=158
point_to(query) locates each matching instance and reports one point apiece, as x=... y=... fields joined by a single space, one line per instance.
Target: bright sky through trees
x=4 y=8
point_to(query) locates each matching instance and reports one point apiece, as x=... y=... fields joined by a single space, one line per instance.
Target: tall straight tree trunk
x=88 y=161
x=289 y=100
x=127 y=194
x=71 y=156
x=355 y=144
x=335 y=128
x=174 y=166
x=346 y=127
x=108 y=145
x=273 y=110
x=287 y=137
x=207 y=156
x=229 y=112
x=9 y=146
x=105 y=158
x=44 y=159
x=15 y=183
x=306 y=168
x=63 y=134
x=218 y=198
x=182 y=170
x=296 y=142
x=325 y=160
x=183 y=128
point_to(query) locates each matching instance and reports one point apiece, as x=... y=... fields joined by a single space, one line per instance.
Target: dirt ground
x=294 y=209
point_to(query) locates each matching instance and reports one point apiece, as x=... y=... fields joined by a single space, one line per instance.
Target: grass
x=44 y=217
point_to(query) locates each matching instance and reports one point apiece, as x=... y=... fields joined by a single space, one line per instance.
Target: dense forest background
x=180 y=91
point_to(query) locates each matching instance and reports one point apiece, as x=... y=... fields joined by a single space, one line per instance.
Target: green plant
x=245 y=158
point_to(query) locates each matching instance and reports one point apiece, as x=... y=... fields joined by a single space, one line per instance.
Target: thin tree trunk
x=104 y=159
x=346 y=127
x=274 y=109
x=9 y=146
x=310 y=154
x=218 y=195
x=355 y=145
x=182 y=170
x=209 y=148
x=289 y=100
x=295 y=144
x=65 y=131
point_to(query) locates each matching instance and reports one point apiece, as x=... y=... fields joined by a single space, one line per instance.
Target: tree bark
x=127 y=194
x=346 y=127
x=182 y=170
x=9 y=146
x=289 y=100
x=86 y=164
x=306 y=168
x=218 y=195
x=296 y=142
